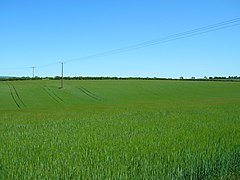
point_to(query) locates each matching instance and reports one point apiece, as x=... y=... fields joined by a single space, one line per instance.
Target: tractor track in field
x=18 y=96
x=53 y=95
x=56 y=95
x=89 y=93
x=13 y=97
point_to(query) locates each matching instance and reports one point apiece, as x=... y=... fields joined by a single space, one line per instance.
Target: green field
x=119 y=129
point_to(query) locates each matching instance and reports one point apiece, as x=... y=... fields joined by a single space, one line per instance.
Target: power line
x=47 y=65
x=14 y=68
x=173 y=37
x=186 y=34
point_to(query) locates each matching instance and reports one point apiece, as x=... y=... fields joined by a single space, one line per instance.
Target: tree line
x=215 y=78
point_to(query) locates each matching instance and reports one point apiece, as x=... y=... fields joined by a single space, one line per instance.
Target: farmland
x=122 y=129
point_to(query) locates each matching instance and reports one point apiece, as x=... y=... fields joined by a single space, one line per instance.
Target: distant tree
x=57 y=77
x=181 y=78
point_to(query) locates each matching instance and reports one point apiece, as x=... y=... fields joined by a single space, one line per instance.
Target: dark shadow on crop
x=226 y=167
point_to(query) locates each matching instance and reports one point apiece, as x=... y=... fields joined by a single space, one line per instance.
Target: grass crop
x=129 y=129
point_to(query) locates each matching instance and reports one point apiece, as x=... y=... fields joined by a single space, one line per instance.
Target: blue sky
x=36 y=33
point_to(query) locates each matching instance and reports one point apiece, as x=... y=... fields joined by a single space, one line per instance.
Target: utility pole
x=33 y=68
x=62 y=76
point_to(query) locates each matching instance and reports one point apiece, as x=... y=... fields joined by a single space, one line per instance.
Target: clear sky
x=35 y=33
